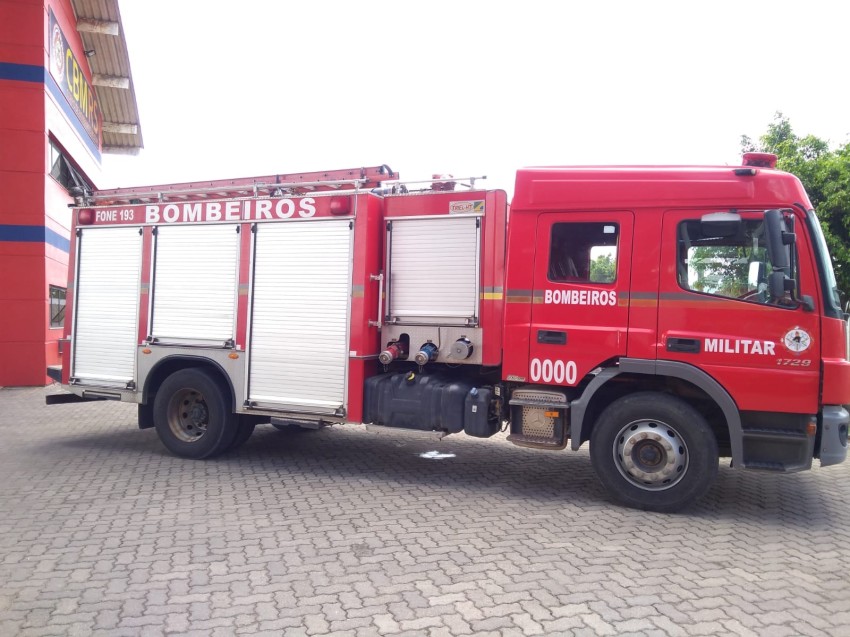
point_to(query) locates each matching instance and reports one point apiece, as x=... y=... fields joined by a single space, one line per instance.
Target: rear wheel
x=192 y=414
x=654 y=452
x=245 y=429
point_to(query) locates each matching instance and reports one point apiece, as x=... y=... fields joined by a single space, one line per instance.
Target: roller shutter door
x=195 y=281
x=107 y=306
x=299 y=329
x=433 y=269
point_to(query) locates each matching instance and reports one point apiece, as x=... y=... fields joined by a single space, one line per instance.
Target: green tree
x=825 y=174
x=603 y=269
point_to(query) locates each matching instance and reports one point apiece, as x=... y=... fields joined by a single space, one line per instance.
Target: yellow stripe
x=492 y=296
x=640 y=303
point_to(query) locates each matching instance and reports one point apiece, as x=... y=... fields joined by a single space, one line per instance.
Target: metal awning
x=99 y=25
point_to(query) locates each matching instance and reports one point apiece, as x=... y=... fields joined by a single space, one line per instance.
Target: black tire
x=653 y=452
x=192 y=414
x=245 y=429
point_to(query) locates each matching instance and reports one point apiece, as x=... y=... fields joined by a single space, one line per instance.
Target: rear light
x=85 y=217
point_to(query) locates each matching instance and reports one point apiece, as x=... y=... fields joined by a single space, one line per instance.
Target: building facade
x=66 y=98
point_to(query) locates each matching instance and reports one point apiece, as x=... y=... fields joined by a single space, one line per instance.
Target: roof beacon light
x=340 y=205
x=85 y=217
x=443 y=182
x=760 y=160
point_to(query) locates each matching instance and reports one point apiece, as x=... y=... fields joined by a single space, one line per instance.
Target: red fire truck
x=667 y=315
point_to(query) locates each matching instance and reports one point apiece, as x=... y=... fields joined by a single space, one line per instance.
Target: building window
x=583 y=253
x=57 y=306
x=63 y=171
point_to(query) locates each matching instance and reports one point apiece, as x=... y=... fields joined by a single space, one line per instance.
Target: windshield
x=832 y=296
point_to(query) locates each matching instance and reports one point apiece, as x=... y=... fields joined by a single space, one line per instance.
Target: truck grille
x=539 y=418
x=536 y=424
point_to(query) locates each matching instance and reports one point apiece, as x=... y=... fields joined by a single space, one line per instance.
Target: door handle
x=380 y=320
x=551 y=337
x=685 y=345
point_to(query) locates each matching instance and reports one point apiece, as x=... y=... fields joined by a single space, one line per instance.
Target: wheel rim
x=651 y=455
x=188 y=415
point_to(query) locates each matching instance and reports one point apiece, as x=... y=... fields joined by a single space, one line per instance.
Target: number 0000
x=549 y=371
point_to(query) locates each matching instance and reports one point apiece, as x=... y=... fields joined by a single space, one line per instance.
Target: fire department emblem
x=57 y=54
x=797 y=340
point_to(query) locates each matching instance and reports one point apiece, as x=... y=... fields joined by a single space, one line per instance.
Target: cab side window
x=583 y=253
x=735 y=267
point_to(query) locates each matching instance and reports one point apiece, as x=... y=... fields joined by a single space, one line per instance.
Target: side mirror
x=777 y=239
x=776 y=283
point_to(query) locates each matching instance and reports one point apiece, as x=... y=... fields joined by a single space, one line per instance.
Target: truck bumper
x=833 y=441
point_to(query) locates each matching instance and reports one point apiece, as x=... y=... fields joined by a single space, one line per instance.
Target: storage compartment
x=107 y=306
x=428 y=402
x=300 y=315
x=433 y=270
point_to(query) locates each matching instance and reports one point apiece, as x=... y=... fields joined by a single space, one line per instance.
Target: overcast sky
x=234 y=89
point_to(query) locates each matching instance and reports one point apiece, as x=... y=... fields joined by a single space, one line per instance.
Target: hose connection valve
x=427 y=353
x=393 y=351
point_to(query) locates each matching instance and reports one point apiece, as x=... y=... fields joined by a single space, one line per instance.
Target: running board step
x=409 y=433
x=303 y=424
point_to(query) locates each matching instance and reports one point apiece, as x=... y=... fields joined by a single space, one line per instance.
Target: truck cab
x=687 y=293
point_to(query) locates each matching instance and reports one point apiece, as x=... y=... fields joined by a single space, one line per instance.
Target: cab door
x=716 y=311
x=580 y=311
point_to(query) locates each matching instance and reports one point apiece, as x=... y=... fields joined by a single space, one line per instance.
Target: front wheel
x=192 y=414
x=653 y=452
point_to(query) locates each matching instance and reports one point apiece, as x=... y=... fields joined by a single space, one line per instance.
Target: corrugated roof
x=99 y=24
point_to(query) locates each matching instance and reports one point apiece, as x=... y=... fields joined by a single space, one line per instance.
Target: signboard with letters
x=69 y=76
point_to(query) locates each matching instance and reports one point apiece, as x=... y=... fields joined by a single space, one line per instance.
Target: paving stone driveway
x=341 y=532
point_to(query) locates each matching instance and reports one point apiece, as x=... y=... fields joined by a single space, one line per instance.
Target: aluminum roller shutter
x=299 y=329
x=433 y=269
x=195 y=283
x=107 y=306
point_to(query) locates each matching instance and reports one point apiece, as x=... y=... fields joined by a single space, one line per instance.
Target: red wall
x=34 y=215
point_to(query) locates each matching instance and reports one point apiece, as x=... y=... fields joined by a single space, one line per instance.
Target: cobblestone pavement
x=342 y=532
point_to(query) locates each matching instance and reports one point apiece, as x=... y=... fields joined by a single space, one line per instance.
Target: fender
x=674 y=369
x=189 y=360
